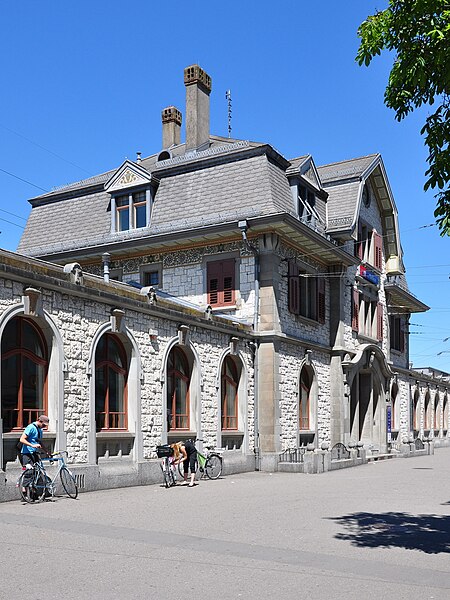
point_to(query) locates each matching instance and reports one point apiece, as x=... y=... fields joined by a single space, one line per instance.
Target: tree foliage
x=418 y=33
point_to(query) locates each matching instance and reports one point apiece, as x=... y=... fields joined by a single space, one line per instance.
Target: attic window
x=130 y=211
x=164 y=155
x=306 y=202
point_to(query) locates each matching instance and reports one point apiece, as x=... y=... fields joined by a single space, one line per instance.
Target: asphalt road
x=373 y=532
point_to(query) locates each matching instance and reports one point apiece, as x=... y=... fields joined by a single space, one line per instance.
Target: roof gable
x=129 y=174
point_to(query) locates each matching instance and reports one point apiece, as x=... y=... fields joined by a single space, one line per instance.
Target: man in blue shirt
x=31 y=440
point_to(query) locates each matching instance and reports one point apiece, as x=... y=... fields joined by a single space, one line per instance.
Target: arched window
x=437 y=415
x=394 y=416
x=178 y=376
x=427 y=412
x=24 y=373
x=230 y=384
x=416 y=409
x=304 y=400
x=110 y=384
x=445 y=412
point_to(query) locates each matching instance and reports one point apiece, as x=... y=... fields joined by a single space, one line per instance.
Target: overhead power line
x=24 y=180
x=45 y=149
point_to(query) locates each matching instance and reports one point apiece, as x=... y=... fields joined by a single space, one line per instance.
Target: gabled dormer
x=132 y=191
x=307 y=194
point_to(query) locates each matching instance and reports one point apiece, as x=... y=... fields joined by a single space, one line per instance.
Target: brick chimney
x=198 y=88
x=171 y=126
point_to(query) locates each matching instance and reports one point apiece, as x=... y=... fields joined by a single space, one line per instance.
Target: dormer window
x=306 y=202
x=132 y=190
x=131 y=210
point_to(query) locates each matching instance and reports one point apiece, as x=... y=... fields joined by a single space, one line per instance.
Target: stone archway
x=368 y=376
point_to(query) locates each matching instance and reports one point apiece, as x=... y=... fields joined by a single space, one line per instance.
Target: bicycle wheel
x=213 y=466
x=181 y=469
x=165 y=471
x=25 y=491
x=172 y=477
x=68 y=483
x=38 y=485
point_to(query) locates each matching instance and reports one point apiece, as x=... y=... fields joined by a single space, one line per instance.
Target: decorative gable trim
x=128 y=175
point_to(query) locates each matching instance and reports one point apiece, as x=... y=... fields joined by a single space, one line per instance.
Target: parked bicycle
x=165 y=452
x=35 y=484
x=209 y=464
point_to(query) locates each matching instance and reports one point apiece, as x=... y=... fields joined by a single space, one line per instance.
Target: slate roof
x=230 y=181
x=341 y=180
x=346 y=169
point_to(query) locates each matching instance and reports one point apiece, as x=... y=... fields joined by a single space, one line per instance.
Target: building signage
x=366 y=274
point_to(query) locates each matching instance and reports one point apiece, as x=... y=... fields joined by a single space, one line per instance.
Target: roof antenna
x=228 y=97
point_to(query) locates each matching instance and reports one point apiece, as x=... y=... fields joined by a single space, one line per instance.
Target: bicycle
x=36 y=486
x=165 y=452
x=209 y=464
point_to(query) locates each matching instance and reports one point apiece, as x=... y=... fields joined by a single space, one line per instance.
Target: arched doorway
x=368 y=375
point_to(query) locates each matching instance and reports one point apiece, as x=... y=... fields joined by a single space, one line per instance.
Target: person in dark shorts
x=186 y=452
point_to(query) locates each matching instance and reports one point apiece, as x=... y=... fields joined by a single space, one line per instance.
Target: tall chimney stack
x=198 y=88
x=171 y=127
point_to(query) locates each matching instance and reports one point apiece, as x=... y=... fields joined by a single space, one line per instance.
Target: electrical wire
x=24 y=180
x=46 y=149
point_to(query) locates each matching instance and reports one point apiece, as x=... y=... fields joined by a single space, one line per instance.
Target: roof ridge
x=339 y=162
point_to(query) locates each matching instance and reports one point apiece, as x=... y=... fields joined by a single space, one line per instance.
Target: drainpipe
x=106 y=259
x=243 y=226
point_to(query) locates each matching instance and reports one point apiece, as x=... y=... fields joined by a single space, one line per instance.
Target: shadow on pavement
x=428 y=533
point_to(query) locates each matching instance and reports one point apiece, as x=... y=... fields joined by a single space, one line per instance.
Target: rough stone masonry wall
x=78 y=319
x=292 y=357
x=296 y=325
x=184 y=273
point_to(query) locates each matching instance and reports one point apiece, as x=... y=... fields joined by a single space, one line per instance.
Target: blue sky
x=84 y=83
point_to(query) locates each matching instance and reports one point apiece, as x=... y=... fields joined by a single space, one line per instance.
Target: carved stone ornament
x=128 y=177
x=183 y=332
x=234 y=345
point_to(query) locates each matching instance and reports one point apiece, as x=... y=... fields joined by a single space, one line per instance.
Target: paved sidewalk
x=379 y=531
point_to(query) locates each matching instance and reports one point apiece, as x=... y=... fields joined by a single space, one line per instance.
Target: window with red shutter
x=378 y=250
x=355 y=311
x=321 y=299
x=379 y=322
x=221 y=282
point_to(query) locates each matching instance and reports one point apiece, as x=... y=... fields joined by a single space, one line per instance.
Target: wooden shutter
x=228 y=271
x=321 y=298
x=378 y=250
x=379 y=322
x=355 y=311
x=214 y=276
x=293 y=289
x=221 y=282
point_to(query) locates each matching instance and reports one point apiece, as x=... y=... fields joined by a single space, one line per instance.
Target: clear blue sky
x=84 y=83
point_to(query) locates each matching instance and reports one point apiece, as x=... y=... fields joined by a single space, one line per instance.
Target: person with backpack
x=31 y=440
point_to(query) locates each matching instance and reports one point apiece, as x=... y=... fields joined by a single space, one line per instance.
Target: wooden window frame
x=173 y=374
x=304 y=424
x=221 y=283
x=234 y=382
x=21 y=353
x=306 y=293
x=105 y=363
